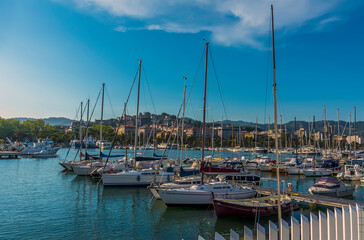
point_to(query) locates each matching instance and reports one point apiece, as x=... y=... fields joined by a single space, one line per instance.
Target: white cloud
x=231 y=22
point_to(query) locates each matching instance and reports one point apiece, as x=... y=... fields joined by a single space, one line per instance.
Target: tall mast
x=325 y=130
x=268 y=136
x=222 y=134
x=309 y=132
x=86 y=140
x=338 y=130
x=314 y=141
x=232 y=141
x=275 y=125
x=204 y=111
x=256 y=134
x=126 y=139
x=280 y=130
x=183 y=119
x=81 y=127
x=102 y=115
x=295 y=129
x=354 y=133
x=137 y=115
x=350 y=133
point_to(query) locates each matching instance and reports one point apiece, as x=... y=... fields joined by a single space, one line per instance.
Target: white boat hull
x=137 y=179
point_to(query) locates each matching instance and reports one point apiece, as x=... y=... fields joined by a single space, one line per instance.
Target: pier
x=9 y=154
x=313 y=199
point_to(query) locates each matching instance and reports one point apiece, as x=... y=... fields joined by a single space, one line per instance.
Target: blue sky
x=55 y=54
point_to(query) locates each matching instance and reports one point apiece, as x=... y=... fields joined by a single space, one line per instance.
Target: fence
x=340 y=224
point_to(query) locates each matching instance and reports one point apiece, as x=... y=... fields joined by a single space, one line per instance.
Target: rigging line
x=257 y=219
x=108 y=97
x=121 y=119
x=150 y=92
x=88 y=124
x=195 y=77
x=218 y=84
x=89 y=121
x=74 y=135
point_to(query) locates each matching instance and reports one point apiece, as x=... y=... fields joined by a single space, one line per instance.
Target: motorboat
x=40 y=149
x=177 y=183
x=299 y=169
x=333 y=187
x=264 y=206
x=200 y=194
x=317 y=172
x=352 y=173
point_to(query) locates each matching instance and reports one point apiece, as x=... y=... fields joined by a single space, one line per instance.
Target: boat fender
x=168 y=178
x=138 y=178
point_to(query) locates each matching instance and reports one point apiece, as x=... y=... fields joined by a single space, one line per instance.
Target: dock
x=9 y=154
x=312 y=199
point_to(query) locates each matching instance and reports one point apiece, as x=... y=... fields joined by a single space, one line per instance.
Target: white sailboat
x=200 y=194
x=136 y=177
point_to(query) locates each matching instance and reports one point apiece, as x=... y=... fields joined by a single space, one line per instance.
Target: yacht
x=240 y=178
x=330 y=186
x=39 y=149
x=178 y=183
x=352 y=173
x=317 y=172
x=200 y=194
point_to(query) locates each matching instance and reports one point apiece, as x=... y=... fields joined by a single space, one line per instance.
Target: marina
x=84 y=207
x=182 y=120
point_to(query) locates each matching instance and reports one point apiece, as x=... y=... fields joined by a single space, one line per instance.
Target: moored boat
x=200 y=194
x=333 y=187
x=264 y=206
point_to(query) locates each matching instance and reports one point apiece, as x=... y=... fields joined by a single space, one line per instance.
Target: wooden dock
x=9 y=154
x=313 y=199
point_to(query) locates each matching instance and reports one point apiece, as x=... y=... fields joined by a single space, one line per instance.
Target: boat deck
x=313 y=199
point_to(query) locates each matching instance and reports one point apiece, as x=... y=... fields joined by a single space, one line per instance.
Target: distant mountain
x=55 y=121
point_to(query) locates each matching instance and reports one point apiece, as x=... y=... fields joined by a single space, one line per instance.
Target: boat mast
x=325 y=135
x=280 y=131
x=126 y=139
x=232 y=141
x=354 y=133
x=212 y=137
x=275 y=126
x=81 y=128
x=204 y=112
x=222 y=134
x=268 y=137
x=295 y=129
x=350 y=134
x=256 y=134
x=338 y=131
x=86 y=140
x=137 y=114
x=183 y=119
x=102 y=116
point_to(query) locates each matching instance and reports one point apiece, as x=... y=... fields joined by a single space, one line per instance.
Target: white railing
x=340 y=224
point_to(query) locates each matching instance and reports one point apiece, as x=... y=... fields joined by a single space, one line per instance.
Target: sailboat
x=88 y=167
x=133 y=176
x=265 y=206
x=200 y=194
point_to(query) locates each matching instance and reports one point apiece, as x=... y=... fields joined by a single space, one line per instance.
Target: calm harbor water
x=39 y=201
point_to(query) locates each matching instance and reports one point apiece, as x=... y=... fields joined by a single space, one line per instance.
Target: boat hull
x=175 y=198
x=134 y=180
x=223 y=208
